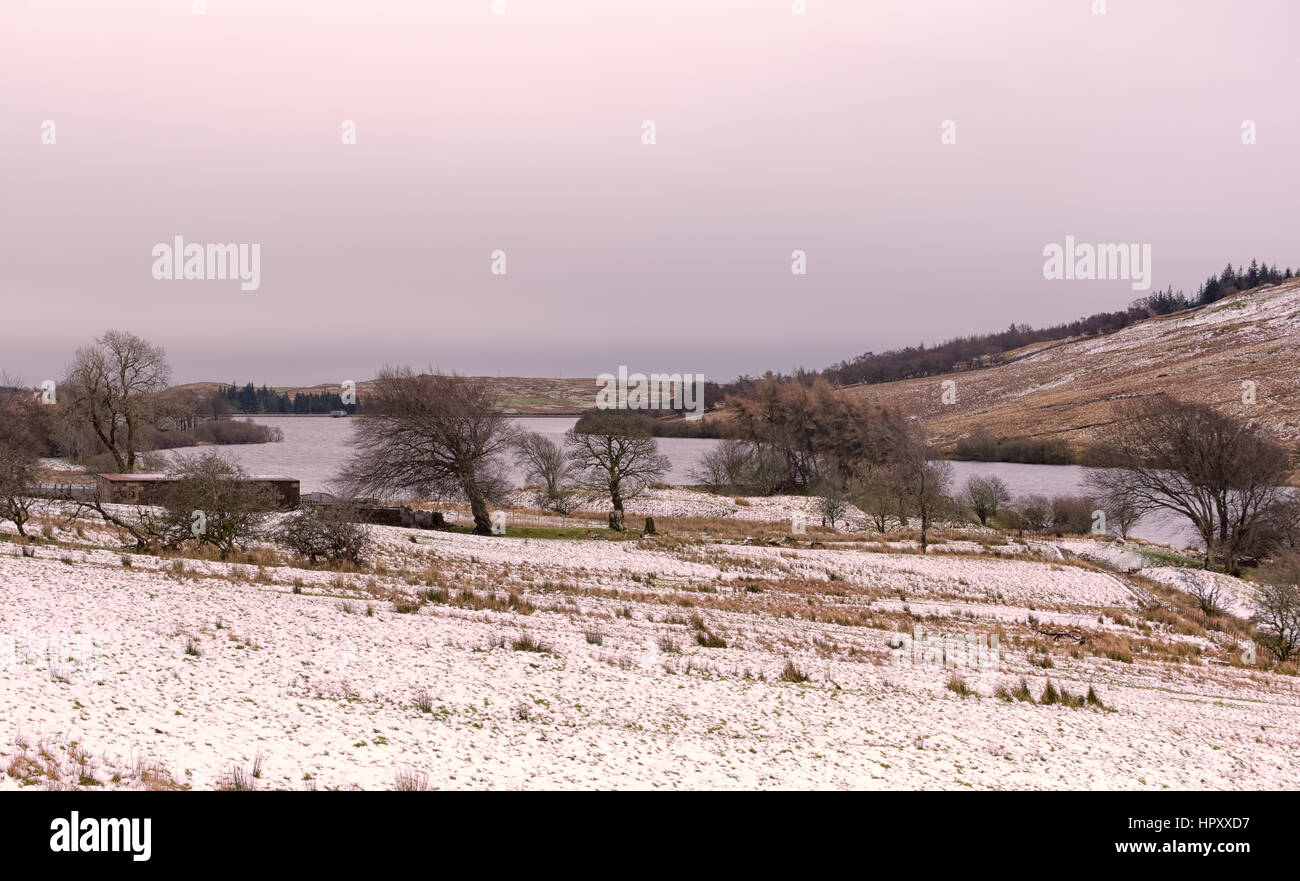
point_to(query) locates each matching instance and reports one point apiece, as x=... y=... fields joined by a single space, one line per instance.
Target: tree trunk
x=478 y=507
x=616 y=515
x=130 y=445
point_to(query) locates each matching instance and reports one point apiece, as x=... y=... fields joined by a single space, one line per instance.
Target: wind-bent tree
x=110 y=386
x=1222 y=474
x=545 y=465
x=984 y=495
x=615 y=456
x=431 y=434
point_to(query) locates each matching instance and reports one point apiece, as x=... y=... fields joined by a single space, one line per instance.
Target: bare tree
x=545 y=465
x=984 y=495
x=875 y=489
x=213 y=503
x=832 y=502
x=923 y=484
x=1220 y=473
x=1036 y=510
x=615 y=456
x=110 y=386
x=431 y=433
x=1122 y=511
x=1073 y=514
x=1277 y=609
x=726 y=466
x=813 y=428
x=19 y=448
x=140 y=524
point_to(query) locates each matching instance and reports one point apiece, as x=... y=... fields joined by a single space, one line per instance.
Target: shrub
x=1073 y=514
x=236 y=780
x=329 y=531
x=1093 y=700
x=408 y=780
x=233 y=509
x=1036 y=512
x=527 y=643
x=957 y=685
x=404 y=605
x=791 y=673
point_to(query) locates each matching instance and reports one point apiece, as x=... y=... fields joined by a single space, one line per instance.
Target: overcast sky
x=523 y=132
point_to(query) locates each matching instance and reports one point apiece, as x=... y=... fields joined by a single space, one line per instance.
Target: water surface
x=315 y=449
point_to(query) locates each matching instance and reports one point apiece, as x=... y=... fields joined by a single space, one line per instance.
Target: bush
x=1278 y=608
x=233 y=510
x=328 y=531
x=980 y=445
x=1073 y=514
x=957 y=685
x=726 y=466
x=1035 y=511
x=791 y=673
x=220 y=432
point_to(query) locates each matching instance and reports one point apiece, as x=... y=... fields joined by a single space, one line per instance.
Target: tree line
x=1231 y=281
x=248 y=399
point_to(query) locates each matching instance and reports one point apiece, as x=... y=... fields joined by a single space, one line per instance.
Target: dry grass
x=409 y=780
x=791 y=673
x=526 y=642
x=235 y=779
x=957 y=685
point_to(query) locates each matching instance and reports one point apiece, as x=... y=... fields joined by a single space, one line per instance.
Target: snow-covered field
x=196 y=672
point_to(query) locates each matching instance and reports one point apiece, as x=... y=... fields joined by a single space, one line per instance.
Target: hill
x=1064 y=389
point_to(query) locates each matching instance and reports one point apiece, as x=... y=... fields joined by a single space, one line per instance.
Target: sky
x=523 y=132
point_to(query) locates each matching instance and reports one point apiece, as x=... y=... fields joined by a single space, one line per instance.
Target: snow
x=93 y=653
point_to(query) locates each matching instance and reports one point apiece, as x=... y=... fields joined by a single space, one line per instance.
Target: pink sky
x=522 y=132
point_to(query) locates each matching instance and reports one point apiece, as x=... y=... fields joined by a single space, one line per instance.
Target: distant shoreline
x=570 y=415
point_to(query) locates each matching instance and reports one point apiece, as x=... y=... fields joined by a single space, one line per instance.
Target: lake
x=315 y=448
